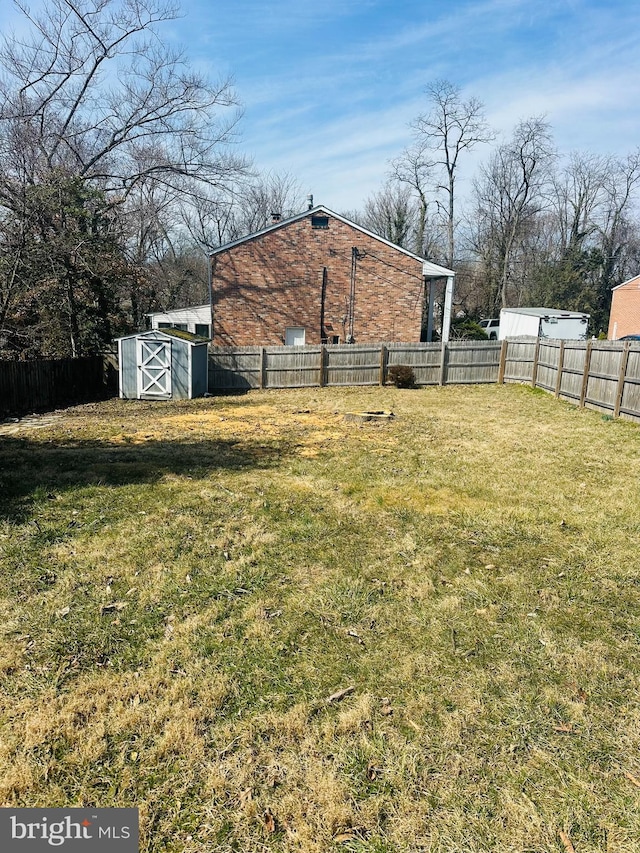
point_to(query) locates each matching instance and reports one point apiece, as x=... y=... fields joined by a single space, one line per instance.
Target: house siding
x=624 y=318
x=274 y=280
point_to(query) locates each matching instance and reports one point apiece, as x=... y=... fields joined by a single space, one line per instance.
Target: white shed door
x=154 y=369
x=294 y=336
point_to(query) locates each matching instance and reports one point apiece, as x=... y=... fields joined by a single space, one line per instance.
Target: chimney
x=310 y=200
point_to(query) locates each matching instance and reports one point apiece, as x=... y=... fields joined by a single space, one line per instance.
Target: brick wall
x=624 y=318
x=274 y=281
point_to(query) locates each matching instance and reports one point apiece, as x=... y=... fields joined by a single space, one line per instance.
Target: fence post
x=383 y=364
x=503 y=362
x=585 y=374
x=536 y=358
x=622 y=375
x=263 y=367
x=560 y=366
x=443 y=364
x=323 y=361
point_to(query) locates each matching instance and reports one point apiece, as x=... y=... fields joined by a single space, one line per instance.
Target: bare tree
x=268 y=197
x=578 y=194
x=93 y=91
x=391 y=213
x=452 y=127
x=592 y=238
x=511 y=192
x=621 y=186
x=92 y=95
x=414 y=168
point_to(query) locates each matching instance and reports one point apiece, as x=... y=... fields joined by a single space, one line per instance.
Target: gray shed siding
x=180 y=370
x=127 y=360
x=189 y=365
x=199 y=370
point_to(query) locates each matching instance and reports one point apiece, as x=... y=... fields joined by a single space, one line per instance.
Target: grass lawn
x=274 y=629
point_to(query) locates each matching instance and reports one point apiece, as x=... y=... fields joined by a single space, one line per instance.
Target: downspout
x=323 y=297
x=356 y=255
x=352 y=293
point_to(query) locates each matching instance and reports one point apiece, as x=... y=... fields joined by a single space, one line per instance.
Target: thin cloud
x=329 y=89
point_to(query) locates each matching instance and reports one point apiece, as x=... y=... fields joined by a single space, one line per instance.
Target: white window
x=294 y=336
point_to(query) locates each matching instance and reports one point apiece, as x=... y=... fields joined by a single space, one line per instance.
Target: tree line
x=120 y=169
x=537 y=228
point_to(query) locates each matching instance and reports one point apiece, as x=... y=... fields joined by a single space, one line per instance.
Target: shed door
x=154 y=369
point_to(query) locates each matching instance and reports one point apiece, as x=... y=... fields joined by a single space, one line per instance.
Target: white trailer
x=543 y=323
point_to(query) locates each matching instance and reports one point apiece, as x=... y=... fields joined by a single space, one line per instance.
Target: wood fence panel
x=232 y=369
x=519 y=361
x=353 y=364
x=292 y=367
x=472 y=362
x=630 y=396
x=604 y=370
x=548 y=362
x=47 y=384
x=423 y=359
x=572 y=371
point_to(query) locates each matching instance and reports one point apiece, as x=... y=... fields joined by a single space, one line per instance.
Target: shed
x=163 y=365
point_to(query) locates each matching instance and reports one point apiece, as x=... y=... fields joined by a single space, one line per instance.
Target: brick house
x=624 y=318
x=318 y=277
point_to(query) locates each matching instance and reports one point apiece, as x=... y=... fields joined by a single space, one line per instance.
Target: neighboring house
x=316 y=278
x=624 y=318
x=196 y=320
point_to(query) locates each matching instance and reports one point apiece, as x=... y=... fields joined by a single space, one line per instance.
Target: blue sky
x=329 y=86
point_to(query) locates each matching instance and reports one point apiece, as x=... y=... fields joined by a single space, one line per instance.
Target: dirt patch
x=14 y=426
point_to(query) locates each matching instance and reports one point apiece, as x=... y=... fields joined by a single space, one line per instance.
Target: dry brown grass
x=185 y=585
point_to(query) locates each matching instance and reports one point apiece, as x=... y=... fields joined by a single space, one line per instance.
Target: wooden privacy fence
x=603 y=375
x=26 y=386
x=351 y=364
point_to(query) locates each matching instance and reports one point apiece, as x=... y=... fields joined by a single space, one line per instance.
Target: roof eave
x=628 y=281
x=429 y=269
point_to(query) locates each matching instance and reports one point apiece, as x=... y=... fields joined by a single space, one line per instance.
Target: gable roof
x=164 y=334
x=636 y=278
x=429 y=269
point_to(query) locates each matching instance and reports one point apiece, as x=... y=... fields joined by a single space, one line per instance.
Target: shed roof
x=429 y=269
x=546 y=312
x=155 y=334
